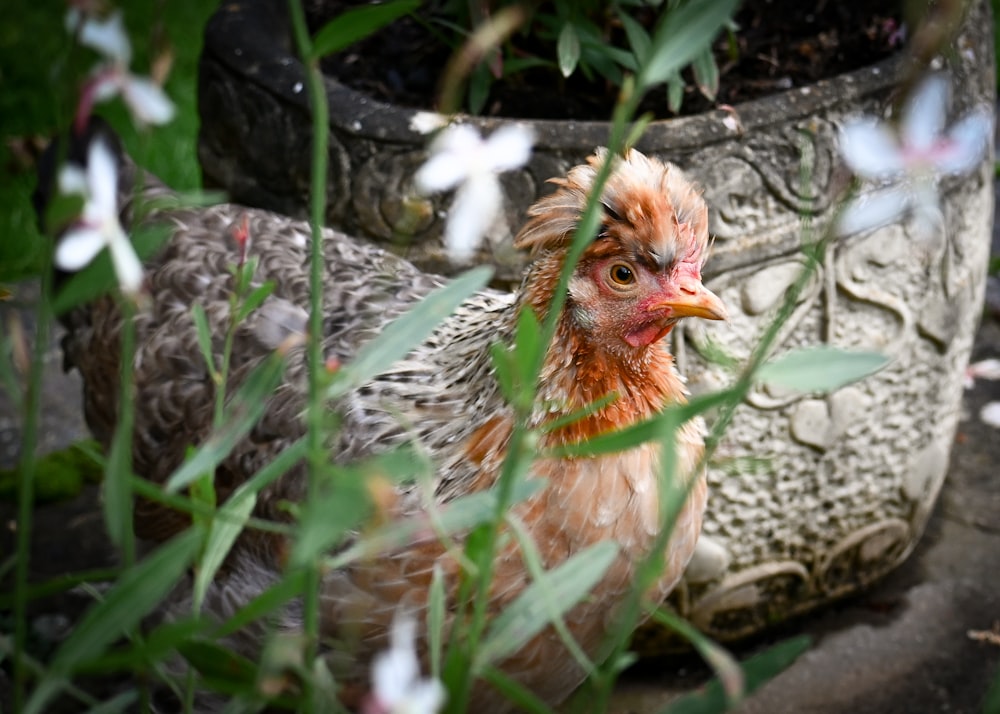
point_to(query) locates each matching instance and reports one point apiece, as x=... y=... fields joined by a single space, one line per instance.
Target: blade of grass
x=135 y=593
x=245 y=409
x=756 y=671
x=529 y=614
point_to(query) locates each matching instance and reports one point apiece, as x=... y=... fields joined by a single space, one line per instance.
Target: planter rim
x=243 y=37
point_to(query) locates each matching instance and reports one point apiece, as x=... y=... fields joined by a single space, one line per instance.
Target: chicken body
x=633 y=283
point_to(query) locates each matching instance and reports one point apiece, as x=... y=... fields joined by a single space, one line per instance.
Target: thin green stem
x=26 y=484
x=316 y=457
x=520 y=449
x=122 y=467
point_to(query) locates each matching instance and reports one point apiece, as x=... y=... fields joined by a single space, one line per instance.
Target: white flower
x=984 y=369
x=98 y=226
x=397 y=687
x=460 y=158
x=145 y=99
x=990 y=414
x=914 y=158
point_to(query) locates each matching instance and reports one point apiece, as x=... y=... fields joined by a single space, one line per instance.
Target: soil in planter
x=780 y=44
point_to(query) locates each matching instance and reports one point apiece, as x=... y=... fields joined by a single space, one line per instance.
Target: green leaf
x=116 y=501
x=461 y=514
x=480 y=82
x=675 y=92
x=529 y=614
x=154 y=647
x=252 y=301
x=119 y=703
x=244 y=410
x=756 y=671
x=358 y=23
x=727 y=669
x=435 y=619
x=136 y=593
x=204 y=334
x=222 y=533
x=215 y=662
x=407 y=331
x=340 y=504
x=820 y=369
x=991 y=704
x=683 y=35
x=516 y=693
x=653 y=428
x=706 y=73
x=638 y=38
x=289 y=587
x=568 y=49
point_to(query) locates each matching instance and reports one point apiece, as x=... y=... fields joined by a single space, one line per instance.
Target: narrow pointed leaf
x=529 y=614
x=568 y=49
x=245 y=409
x=136 y=593
x=461 y=514
x=221 y=535
x=358 y=23
x=254 y=300
x=682 y=35
x=653 y=428
x=638 y=38
x=216 y=662
x=756 y=671
x=408 y=331
x=706 y=73
x=204 y=334
x=289 y=587
x=820 y=369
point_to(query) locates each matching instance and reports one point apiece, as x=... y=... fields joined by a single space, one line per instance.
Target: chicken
x=633 y=283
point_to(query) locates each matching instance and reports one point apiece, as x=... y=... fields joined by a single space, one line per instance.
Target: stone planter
x=812 y=497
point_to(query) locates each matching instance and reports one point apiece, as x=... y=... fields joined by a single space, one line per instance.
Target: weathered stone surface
x=811 y=497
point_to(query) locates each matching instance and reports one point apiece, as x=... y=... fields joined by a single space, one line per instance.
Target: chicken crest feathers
x=639 y=191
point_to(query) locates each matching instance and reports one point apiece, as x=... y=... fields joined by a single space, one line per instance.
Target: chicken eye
x=622 y=274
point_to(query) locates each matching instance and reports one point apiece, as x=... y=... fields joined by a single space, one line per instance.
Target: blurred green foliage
x=41 y=73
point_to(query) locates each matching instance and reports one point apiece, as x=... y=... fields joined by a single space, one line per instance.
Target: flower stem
x=316 y=457
x=26 y=485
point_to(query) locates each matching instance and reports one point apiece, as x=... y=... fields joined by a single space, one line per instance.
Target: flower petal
x=102 y=182
x=440 y=172
x=509 y=147
x=395 y=670
x=472 y=213
x=147 y=100
x=78 y=247
x=126 y=263
x=458 y=138
x=72 y=179
x=425 y=697
x=873 y=211
x=984 y=369
x=967 y=142
x=990 y=414
x=924 y=115
x=870 y=149
x=107 y=37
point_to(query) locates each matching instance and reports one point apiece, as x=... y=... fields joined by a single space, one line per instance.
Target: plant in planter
x=813 y=497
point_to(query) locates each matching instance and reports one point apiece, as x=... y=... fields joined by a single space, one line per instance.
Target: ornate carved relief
x=812 y=496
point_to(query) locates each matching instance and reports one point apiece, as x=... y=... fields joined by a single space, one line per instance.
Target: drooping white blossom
x=98 y=226
x=911 y=158
x=145 y=99
x=397 y=687
x=461 y=159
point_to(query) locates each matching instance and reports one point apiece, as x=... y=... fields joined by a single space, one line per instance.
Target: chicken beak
x=694 y=300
